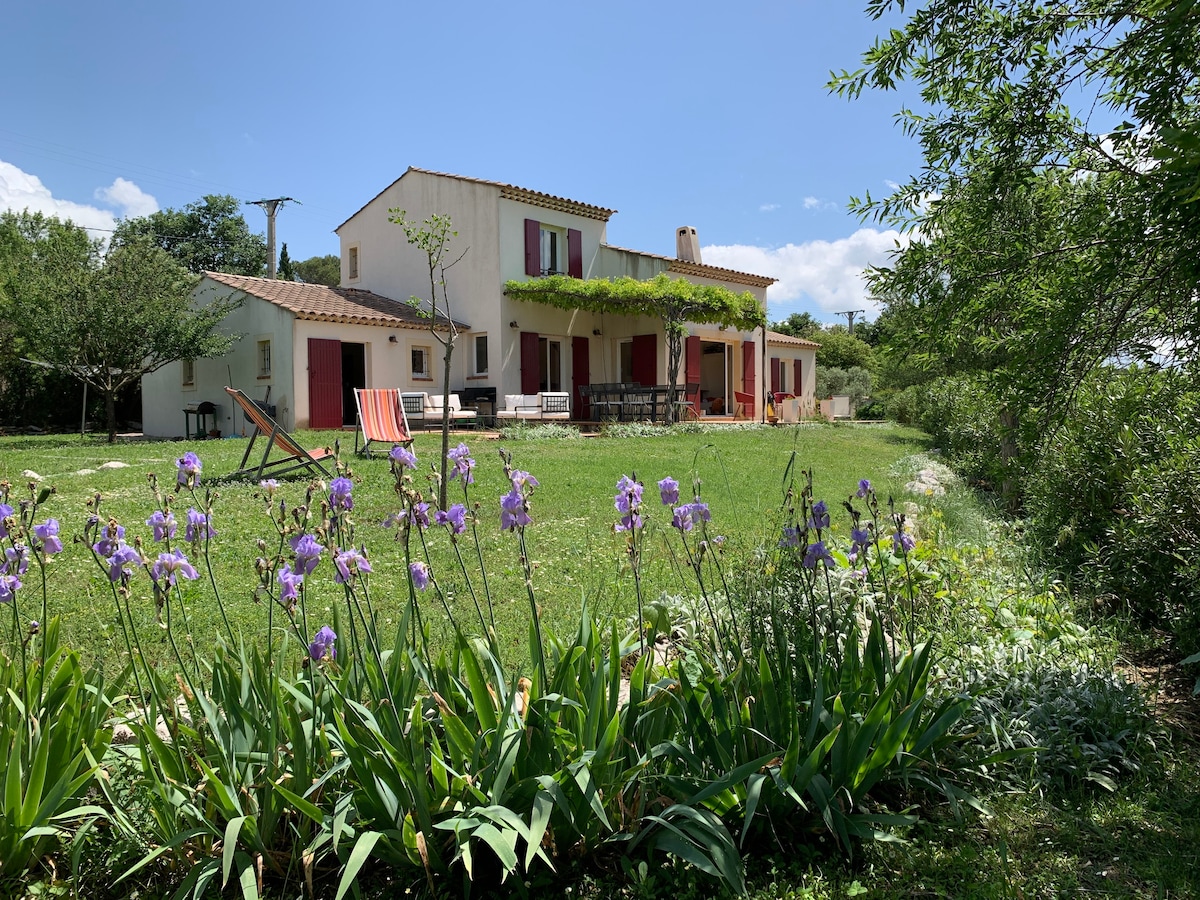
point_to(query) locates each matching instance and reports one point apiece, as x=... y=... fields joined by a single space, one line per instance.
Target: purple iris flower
x=686 y=517
x=860 y=539
x=308 y=553
x=16 y=560
x=419 y=514
x=47 y=533
x=123 y=555
x=820 y=515
x=6 y=512
x=521 y=479
x=668 y=489
x=339 y=494
x=681 y=517
x=791 y=537
x=902 y=542
x=864 y=488
x=815 y=553
x=270 y=485
x=460 y=456
x=113 y=537
x=513 y=514
x=171 y=566
x=9 y=585
x=347 y=562
x=628 y=502
x=455 y=517
x=189 y=470
x=420 y=575
x=163 y=524
x=289 y=584
x=404 y=456
x=322 y=644
x=198 y=527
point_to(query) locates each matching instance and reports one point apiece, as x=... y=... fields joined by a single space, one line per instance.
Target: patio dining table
x=633 y=402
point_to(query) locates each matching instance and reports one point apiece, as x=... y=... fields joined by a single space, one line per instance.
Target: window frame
x=475 y=368
x=553 y=239
x=264 y=373
x=427 y=354
x=353 y=263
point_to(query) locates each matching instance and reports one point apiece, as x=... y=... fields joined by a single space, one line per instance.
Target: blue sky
x=708 y=114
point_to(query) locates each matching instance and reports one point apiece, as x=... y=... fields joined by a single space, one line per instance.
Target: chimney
x=687 y=244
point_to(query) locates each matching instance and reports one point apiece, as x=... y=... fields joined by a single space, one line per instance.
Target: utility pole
x=850 y=314
x=270 y=207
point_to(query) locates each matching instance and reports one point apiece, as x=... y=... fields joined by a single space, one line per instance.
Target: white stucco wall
x=492 y=230
x=164 y=395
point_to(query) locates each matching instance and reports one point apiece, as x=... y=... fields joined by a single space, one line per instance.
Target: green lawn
x=577 y=556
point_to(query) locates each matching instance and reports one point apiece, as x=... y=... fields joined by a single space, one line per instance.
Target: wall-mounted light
x=392 y=339
x=513 y=324
x=596 y=332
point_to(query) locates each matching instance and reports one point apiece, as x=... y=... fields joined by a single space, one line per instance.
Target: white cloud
x=768 y=207
x=20 y=191
x=819 y=204
x=130 y=198
x=825 y=274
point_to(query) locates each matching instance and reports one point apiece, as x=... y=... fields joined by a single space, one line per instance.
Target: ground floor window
x=420 y=362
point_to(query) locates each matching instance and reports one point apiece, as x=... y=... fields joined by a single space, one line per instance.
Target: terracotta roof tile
x=319 y=303
x=702 y=270
x=510 y=192
x=775 y=337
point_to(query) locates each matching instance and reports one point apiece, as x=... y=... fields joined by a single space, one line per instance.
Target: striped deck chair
x=296 y=456
x=380 y=418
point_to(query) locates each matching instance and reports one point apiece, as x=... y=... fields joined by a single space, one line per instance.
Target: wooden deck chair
x=296 y=456
x=381 y=418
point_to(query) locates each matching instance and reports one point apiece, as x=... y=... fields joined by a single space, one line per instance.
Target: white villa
x=305 y=347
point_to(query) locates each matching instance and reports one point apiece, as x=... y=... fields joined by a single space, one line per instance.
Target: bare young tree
x=432 y=237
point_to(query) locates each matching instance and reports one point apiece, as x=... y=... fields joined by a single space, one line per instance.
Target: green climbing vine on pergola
x=673 y=300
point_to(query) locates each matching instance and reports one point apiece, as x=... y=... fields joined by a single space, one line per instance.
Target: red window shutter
x=574 y=253
x=530 y=377
x=798 y=385
x=581 y=373
x=645 y=359
x=533 y=249
x=775 y=373
x=749 y=382
x=691 y=359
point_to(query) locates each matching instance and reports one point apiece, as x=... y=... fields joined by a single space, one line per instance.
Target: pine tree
x=286 y=272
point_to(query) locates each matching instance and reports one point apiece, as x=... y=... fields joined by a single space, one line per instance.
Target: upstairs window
x=352 y=265
x=551 y=250
x=189 y=372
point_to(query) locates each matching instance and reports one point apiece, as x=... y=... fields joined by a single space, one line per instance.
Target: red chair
x=744 y=405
